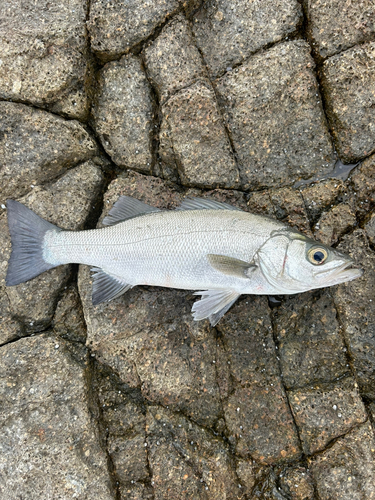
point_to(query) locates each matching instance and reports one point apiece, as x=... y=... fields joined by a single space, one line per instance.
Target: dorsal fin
x=125 y=208
x=204 y=204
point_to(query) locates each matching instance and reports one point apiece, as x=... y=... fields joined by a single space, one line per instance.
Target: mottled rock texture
x=336 y=25
x=272 y=108
x=228 y=32
x=49 y=442
x=122 y=113
x=115 y=27
x=348 y=82
x=44 y=57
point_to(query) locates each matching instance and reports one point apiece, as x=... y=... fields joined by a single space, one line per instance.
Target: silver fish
x=203 y=245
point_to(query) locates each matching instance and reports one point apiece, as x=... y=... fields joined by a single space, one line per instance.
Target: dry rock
x=66 y=203
x=333 y=224
x=10 y=328
x=311 y=348
x=323 y=413
x=68 y=321
x=36 y=147
x=123 y=114
x=346 y=471
x=44 y=57
x=193 y=138
x=290 y=208
x=362 y=187
x=274 y=114
x=116 y=27
x=49 y=442
x=348 y=81
x=173 y=61
x=321 y=196
x=335 y=26
x=370 y=229
x=297 y=484
x=356 y=306
x=227 y=33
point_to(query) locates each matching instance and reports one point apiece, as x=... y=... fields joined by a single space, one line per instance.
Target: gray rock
x=116 y=27
x=49 y=442
x=201 y=462
x=346 y=471
x=67 y=203
x=173 y=61
x=323 y=413
x=370 y=229
x=290 y=208
x=68 y=321
x=321 y=197
x=227 y=33
x=247 y=474
x=10 y=329
x=311 y=348
x=44 y=55
x=275 y=117
x=362 y=187
x=335 y=26
x=122 y=113
x=297 y=483
x=348 y=83
x=356 y=307
x=334 y=224
x=257 y=413
x=193 y=138
x=36 y=147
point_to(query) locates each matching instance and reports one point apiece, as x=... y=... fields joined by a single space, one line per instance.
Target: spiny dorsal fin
x=231 y=266
x=125 y=208
x=213 y=304
x=204 y=204
x=106 y=287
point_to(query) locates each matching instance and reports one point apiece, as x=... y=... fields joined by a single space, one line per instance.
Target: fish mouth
x=343 y=273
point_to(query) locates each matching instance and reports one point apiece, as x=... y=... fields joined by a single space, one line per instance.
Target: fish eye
x=317 y=255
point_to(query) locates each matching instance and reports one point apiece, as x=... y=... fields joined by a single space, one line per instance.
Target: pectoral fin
x=106 y=287
x=213 y=304
x=231 y=266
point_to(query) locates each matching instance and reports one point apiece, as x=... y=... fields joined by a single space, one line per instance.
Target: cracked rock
x=321 y=196
x=346 y=471
x=193 y=138
x=275 y=117
x=323 y=413
x=44 y=56
x=349 y=88
x=10 y=329
x=123 y=115
x=68 y=321
x=116 y=27
x=49 y=442
x=335 y=26
x=173 y=61
x=36 y=147
x=228 y=33
x=66 y=203
x=334 y=224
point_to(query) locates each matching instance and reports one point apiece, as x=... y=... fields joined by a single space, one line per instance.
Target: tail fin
x=27 y=232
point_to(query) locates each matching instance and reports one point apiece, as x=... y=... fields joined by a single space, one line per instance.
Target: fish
x=215 y=249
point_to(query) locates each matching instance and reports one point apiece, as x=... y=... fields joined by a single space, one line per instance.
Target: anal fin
x=213 y=304
x=106 y=287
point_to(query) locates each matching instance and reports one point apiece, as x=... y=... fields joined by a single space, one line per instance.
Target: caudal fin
x=27 y=232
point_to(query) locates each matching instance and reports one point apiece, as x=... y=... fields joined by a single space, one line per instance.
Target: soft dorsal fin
x=125 y=208
x=106 y=287
x=231 y=266
x=213 y=304
x=204 y=204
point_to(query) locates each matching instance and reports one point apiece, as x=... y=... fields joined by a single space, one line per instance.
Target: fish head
x=293 y=263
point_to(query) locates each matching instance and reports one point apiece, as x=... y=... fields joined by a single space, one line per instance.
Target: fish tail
x=27 y=231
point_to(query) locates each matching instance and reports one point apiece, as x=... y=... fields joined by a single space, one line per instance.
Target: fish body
x=215 y=248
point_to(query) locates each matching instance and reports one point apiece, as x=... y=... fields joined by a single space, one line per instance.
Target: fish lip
x=339 y=273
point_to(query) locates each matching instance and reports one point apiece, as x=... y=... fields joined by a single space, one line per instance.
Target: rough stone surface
x=201 y=462
x=335 y=26
x=310 y=345
x=66 y=203
x=346 y=471
x=370 y=229
x=296 y=483
x=49 y=442
x=289 y=207
x=10 y=329
x=274 y=114
x=227 y=33
x=362 y=187
x=68 y=321
x=321 y=196
x=193 y=138
x=36 y=147
x=44 y=56
x=116 y=27
x=256 y=412
x=356 y=306
x=173 y=61
x=323 y=413
x=122 y=113
x=334 y=224
x=348 y=81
